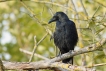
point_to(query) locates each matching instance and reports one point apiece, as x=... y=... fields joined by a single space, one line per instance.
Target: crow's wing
x=71 y=36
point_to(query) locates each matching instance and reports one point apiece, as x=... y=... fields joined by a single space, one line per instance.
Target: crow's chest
x=60 y=31
x=59 y=35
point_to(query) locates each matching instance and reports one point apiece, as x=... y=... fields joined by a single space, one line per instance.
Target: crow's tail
x=69 y=60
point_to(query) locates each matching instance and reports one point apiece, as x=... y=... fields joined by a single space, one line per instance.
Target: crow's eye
x=56 y=17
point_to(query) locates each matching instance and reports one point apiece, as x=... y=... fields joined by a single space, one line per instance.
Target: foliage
x=18 y=24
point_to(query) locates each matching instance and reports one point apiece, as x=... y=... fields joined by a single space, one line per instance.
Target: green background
x=20 y=24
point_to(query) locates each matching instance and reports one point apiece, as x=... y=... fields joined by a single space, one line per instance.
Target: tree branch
x=35 y=54
x=1 y=66
x=36 y=45
x=41 y=65
x=84 y=8
x=90 y=48
x=54 y=62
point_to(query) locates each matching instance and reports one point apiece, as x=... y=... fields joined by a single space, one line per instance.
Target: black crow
x=65 y=35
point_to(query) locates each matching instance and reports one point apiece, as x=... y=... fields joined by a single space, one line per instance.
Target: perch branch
x=1 y=66
x=54 y=62
x=90 y=48
x=41 y=65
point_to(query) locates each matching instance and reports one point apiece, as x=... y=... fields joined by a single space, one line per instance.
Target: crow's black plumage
x=65 y=35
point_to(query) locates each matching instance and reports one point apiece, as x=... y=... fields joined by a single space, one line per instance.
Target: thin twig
x=99 y=3
x=30 y=12
x=5 y=0
x=96 y=11
x=94 y=14
x=50 y=9
x=101 y=64
x=35 y=18
x=53 y=3
x=84 y=8
x=35 y=54
x=75 y=9
x=36 y=45
x=103 y=17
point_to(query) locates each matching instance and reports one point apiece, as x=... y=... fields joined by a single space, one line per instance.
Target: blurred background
x=20 y=22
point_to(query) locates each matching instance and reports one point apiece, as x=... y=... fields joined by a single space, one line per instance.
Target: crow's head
x=59 y=16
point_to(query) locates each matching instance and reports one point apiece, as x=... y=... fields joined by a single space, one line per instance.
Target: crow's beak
x=52 y=20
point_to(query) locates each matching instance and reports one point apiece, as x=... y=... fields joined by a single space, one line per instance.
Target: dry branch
x=1 y=66
x=54 y=62
x=90 y=48
x=35 y=54
x=36 y=45
x=53 y=3
x=41 y=65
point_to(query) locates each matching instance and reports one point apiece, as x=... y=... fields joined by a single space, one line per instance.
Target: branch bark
x=90 y=48
x=54 y=62
x=41 y=65
x=1 y=66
